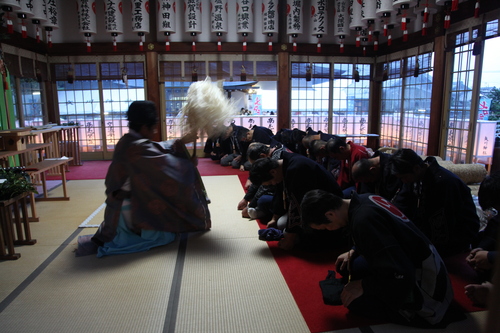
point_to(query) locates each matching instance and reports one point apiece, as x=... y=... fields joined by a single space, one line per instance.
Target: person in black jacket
x=482 y=257
x=293 y=175
x=441 y=204
x=394 y=272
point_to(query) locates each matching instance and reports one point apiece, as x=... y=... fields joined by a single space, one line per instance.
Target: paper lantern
x=294 y=20
x=166 y=19
x=8 y=6
x=87 y=19
x=192 y=19
x=319 y=20
x=140 y=20
x=192 y=16
x=52 y=21
x=244 y=15
x=404 y=4
x=384 y=8
x=270 y=20
x=355 y=13
x=294 y=17
x=113 y=19
x=341 y=19
x=26 y=11
x=218 y=17
x=38 y=17
x=368 y=11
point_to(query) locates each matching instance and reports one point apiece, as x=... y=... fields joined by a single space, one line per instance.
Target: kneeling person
x=403 y=277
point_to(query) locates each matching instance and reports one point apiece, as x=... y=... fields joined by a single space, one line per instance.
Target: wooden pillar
x=284 y=91
x=374 y=117
x=153 y=87
x=52 y=108
x=437 y=99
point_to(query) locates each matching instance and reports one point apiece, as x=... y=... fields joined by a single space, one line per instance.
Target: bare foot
x=244 y=213
x=478 y=293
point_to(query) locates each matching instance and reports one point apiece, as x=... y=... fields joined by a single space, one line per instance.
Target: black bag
x=331 y=289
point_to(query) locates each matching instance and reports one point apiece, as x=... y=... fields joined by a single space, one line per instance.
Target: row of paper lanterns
x=366 y=17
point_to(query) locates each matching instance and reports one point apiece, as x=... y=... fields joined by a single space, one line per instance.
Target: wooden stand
x=10 y=216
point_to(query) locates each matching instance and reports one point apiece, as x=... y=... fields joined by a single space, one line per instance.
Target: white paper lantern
x=378 y=25
x=294 y=17
x=167 y=16
x=10 y=5
x=87 y=19
x=319 y=18
x=87 y=16
x=140 y=20
x=27 y=8
x=218 y=16
x=356 y=19
x=394 y=21
x=192 y=16
x=140 y=17
x=384 y=8
x=245 y=16
x=52 y=20
x=341 y=19
x=432 y=7
x=38 y=12
x=26 y=11
x=417 y=23
x=38 y=17
x=404 y=4
x=270 y=17
x=113 y=17
x=368 y=11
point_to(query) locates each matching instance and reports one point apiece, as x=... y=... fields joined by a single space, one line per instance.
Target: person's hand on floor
x=242 y=204
x=352 y=290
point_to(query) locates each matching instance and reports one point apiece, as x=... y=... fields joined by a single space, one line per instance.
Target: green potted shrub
x=15 y=181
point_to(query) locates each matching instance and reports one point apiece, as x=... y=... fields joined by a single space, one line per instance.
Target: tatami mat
x=223 y=280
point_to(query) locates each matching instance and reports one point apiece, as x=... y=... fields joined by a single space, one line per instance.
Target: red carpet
x=303 y=271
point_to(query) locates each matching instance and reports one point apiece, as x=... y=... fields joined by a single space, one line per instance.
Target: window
x=406 y=101
x=99 y=107
x=31 y=103
x=351 y=100
x=460 y=101
x=310 y=102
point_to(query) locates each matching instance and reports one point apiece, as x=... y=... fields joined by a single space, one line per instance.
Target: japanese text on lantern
x=270 y=17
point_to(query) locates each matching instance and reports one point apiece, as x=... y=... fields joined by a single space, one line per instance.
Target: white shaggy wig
x=207 y=109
